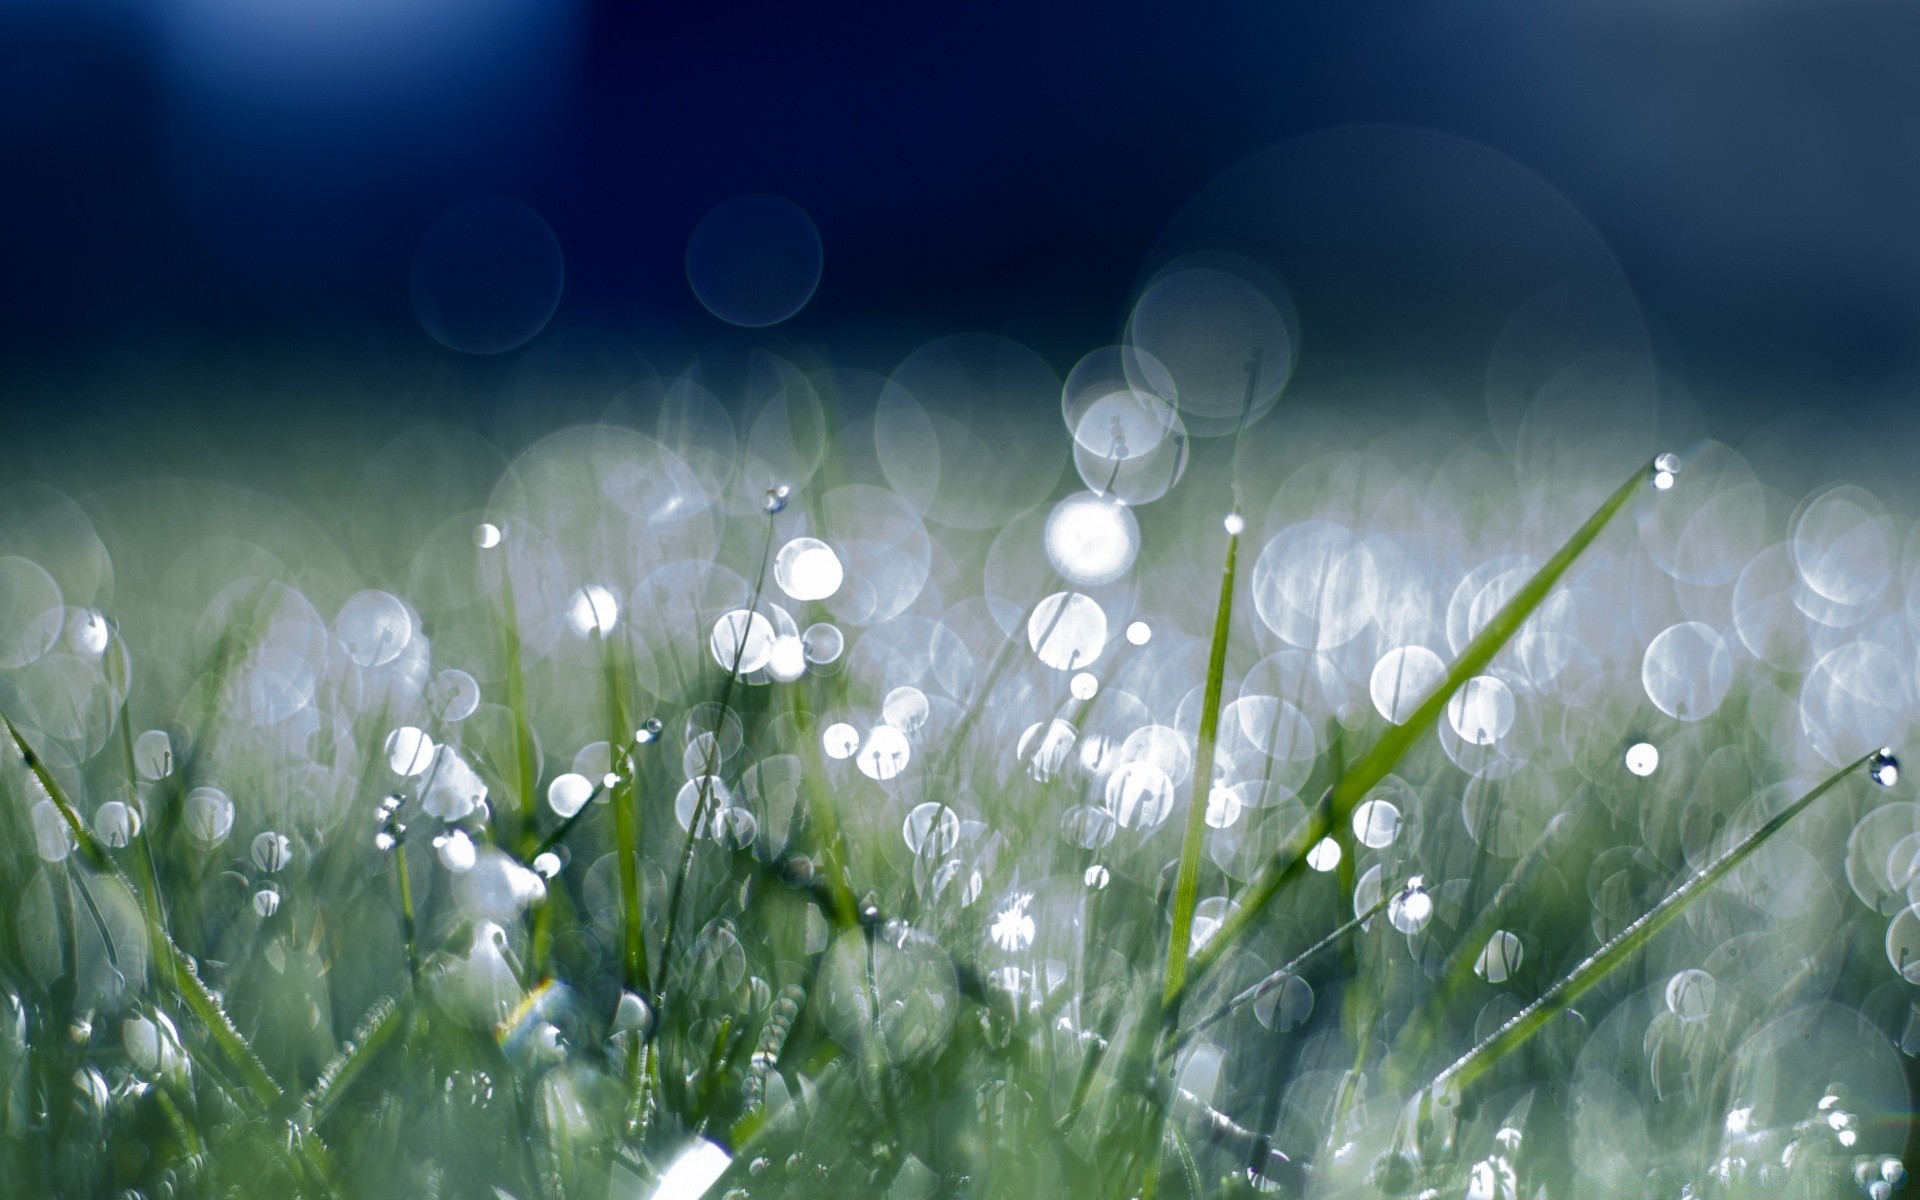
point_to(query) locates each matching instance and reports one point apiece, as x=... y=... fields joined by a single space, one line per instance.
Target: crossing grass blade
x=1597 y=966
x=1393 y=745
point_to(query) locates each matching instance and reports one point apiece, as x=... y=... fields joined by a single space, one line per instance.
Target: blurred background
x=217 y=209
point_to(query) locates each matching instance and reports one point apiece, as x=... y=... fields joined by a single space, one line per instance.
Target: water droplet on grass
x=1883 y=768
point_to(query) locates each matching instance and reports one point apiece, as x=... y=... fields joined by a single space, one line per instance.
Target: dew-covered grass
x=810 y=788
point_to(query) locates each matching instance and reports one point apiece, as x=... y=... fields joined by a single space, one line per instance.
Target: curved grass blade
x=1187 y=883
x=180 y=970
x=1479 y=1060
x=1393 y=745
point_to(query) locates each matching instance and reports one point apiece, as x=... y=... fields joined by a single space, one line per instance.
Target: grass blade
x=1386 y=753
x=179 y=969
x=1477 y=1061
x=1186 y=883
x=378 y=1028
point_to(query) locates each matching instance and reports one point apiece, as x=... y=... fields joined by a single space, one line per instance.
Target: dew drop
x=1883 y=768
x=1643 y=758
x=593 y=609
x=775 y=499
x=568 y=794
x=117 y=823
x=1235 y=524
x=1084 y=686
x=1376 y=823
x=487 y=535
x=1690 y=994
x=1324 y=856
x=153 y=754
x=209 y=816
x=266 y=901
x=1666 y=467
x=840 y=740
x=456 y=850
x=1139 y=633
x=272 y=852
x=649 y=731
x=807 y=569
x=1499 y=958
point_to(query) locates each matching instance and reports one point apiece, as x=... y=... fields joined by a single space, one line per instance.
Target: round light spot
x=1324 y=856
x=742 y=641
x=1402 y=679
x=754 y=260
x=1091 y=540
x=487 y=277
x=1643 y=758
x=568 y=794
x=840 y=740
x=1067 y=630
x=808 y=569
x=593 y=609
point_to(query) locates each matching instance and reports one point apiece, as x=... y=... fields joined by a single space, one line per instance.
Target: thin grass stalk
x=1393 y=744
x=1597 y=966
x=1186 y=885
x=186 y=981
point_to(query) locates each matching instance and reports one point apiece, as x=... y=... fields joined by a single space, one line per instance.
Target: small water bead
x=1500 y=958
x=905 y=708
x=649 y=731
x=1376 y=823
x=456 y=850
x=1643 y=758
x=1084 y=686
x=823 y=643
x=1223 y=807
x=1235 y=524
x=1324 y=856
x=609 y=781
x=774 y=501
x=52 y=836
x=788 y=659
x=452 y=695
x=885 y=753
x=88 y=633
x=632 y=1014
x=375 y=628
x=209 y=816
x=454 y=789
x=1690 y=994
x=840 y=740
x=593 y=609
x=1139 y=633
x=742 y=641
x=272 y=852
x=266 y=901
x=568 y=794
x=1403 y=678
x=1666 y=467
x=117 y=823
x=153 y=755
x=547 y=864
x=1883 y=768
x=409 y=750
x=487 y=535
x=806 y=568
x=1097 y=877
x=1411 y=909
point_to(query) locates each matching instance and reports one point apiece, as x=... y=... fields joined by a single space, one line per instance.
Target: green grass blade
x=1477 y=1061
x=1393 y=745
x=1187 y=883
x=179 y=969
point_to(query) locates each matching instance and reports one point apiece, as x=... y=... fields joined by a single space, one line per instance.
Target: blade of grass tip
x=180 y=972
x=1397 y=740
x=1510 y=1036
x=1187 y=882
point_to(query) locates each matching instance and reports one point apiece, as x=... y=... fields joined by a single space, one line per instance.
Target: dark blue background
x=1755 y=164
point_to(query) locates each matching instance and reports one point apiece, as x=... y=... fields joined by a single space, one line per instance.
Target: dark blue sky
x=174 y=172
